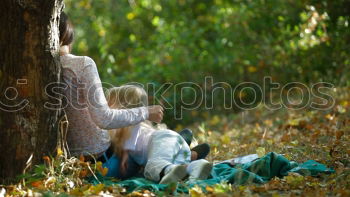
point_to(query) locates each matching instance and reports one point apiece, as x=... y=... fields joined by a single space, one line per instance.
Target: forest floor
x=299 y=135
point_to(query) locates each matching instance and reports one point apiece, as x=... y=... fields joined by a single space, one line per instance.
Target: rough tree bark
x=28 y=63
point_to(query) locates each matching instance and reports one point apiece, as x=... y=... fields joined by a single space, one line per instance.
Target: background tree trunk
x=29 y=43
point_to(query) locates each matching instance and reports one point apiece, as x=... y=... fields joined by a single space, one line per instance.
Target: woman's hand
x=155 y=113
x=124 y=163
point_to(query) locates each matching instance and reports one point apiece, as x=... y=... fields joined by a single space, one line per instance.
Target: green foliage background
x=160 y=41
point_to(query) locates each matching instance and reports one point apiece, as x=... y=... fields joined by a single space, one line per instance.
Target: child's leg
x=166 y=150
x=184 y=154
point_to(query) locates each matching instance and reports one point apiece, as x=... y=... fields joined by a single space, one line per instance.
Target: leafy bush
x=154 y=41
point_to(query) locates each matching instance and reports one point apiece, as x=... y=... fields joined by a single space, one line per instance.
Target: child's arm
x=124 y=162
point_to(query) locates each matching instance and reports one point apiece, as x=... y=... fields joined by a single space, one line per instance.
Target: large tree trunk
x=29 y=43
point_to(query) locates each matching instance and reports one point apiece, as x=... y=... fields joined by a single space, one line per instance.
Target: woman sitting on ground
x=86 y=107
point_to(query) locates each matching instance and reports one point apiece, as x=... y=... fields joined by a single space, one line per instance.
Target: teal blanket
x=258 y=171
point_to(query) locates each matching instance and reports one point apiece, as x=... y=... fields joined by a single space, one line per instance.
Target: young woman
x=164 y=153
x=86 y=107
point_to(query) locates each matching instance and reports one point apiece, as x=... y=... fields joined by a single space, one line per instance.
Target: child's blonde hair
x=124 y=97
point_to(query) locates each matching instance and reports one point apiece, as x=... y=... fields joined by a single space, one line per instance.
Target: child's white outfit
x=157 y=149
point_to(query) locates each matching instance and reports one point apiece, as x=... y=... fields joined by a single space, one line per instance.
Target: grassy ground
x=299 y=135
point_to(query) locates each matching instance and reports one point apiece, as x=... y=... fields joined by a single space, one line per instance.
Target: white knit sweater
x=87 y=110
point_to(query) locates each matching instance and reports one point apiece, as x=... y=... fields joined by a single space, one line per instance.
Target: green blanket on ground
x=258 y=171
